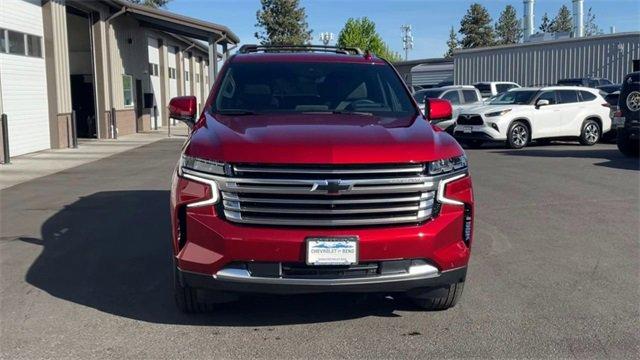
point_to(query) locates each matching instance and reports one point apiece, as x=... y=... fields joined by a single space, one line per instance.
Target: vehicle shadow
x=612 y=157
x=111 y=251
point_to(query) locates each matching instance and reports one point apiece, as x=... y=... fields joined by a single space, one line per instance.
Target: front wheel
x=518 y=135
x=438 y=299
x=590 y=133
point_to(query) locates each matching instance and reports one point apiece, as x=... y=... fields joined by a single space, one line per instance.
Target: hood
x=483 y=109
x=318 y=139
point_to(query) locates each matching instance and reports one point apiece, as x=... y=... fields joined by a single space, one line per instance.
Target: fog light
x=495 y=127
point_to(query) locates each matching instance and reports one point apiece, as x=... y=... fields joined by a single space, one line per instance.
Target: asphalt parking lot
x=85 y=271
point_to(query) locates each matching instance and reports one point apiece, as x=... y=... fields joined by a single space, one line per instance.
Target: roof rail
x=249 y=48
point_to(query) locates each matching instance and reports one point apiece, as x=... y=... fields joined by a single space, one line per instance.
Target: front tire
x=590 y=133
x=518 y=135
x=439 y=299
x=627 y=146
x=187 y=297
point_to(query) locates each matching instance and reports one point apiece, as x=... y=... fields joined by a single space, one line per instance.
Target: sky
x=431 y=19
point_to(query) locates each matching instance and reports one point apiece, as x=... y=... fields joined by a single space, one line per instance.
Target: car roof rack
x=252 y=48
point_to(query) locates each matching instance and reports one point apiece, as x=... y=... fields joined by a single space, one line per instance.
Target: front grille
x=327 y=195
x=295 y=270
x=470 y=120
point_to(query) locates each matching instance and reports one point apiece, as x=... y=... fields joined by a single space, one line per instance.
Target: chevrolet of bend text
x=313 y=170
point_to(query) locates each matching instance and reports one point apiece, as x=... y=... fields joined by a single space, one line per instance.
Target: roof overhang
x=176 y=24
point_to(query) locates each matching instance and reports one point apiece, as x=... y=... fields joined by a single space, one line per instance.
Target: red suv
x=311 y=170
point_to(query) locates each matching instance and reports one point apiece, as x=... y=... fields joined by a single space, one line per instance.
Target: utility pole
x=407 y=40
x=326 y=38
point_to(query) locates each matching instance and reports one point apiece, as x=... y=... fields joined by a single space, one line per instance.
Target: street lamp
x=326 y=38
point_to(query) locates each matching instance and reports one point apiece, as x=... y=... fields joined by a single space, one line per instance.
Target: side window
x=16 y=43
x=3 y=41
x=35 y=46
x=127 y=88
x=470 y=96
x=548 y=95
x=567 y=96
x=587 y=96
x=452 y=96
x=500 y=88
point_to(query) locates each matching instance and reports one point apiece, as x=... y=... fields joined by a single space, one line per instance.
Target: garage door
x=23 y=77
x=154 y=77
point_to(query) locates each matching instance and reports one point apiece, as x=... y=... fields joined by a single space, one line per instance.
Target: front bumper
x=478 y=132
x=241 y=281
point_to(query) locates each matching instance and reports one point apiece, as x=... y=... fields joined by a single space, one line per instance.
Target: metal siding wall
x=544 y=63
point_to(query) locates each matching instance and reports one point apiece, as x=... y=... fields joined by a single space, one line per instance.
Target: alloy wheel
x=519 y=135
x=591 y=133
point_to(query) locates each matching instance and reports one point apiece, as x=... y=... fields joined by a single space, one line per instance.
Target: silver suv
x=461 y=97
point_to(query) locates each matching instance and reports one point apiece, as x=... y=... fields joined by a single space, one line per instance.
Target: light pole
x=326 y=38
x=407 y=40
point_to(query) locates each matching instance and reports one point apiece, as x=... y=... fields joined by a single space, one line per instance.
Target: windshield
x=310 y=87
x=427 y=94
x=515 y=97
x=485 y=89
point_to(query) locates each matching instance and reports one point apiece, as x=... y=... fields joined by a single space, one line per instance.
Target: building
x=608 y=56
x=108 y=62
x=426 y=72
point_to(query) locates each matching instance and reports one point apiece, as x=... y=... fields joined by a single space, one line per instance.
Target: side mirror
x=183 y=108
x=437 y=109
x=542 y=102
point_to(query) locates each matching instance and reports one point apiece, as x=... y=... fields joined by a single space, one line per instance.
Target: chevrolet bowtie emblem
x=330 y=186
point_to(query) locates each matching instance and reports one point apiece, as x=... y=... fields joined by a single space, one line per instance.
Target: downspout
x=112 y=124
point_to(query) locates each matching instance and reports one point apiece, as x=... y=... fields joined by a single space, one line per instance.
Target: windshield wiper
x=344 y=112
x=235 y=112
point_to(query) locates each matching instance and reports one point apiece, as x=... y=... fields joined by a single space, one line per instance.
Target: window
x=605 y=82
x=500 y=88
x=16 y=43
x=319 y=87
x=3 y=40
x=452 y=96
x=470 y=96
x=548 y=95
x=587 y=96
x=34 y=46
x=567 y=96
x=426 y=94
x=153 y=69
x=172 y=73
x=519 y=97
x=484 y=88
x=186 y=75
x=127 y=88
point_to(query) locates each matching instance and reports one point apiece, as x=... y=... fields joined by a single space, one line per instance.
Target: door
x=569 y=105
x=544 y=119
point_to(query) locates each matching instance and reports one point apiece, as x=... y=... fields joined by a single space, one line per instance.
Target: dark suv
x=627 y=119
x=312 y=169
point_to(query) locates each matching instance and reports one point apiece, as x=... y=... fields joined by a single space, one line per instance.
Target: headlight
x=497 y=113
x=448 y=165
x=205 y=166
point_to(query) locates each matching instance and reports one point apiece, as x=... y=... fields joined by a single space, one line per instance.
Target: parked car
x=493 y=88
x=584 y=81
x=627 y=119
x=460 y=97
x=315 y=171
x=521 y=115
x=612 y=100
x=609 y=89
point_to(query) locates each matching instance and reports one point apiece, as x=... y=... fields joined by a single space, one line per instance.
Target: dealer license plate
x=332 y=250
x=467 y=129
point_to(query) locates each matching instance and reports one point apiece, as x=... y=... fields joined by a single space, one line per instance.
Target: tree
x=476 y=27
x=452 y=43
x=361 y=33
x=562 y=22
x=151 y=3
x=508 y=27
x=590 y=26
x=545 y=24
x=283 y=22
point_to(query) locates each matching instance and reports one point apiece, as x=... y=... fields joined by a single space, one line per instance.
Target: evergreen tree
x=151 y=3
x=452 y=43
x=562 y=22
x=545 y=24
x=283 y=22
x=361 y=33
x=590 y=26
x=508 y=27
x=476 y=27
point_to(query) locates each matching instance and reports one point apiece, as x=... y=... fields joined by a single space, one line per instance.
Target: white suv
x=525 y=114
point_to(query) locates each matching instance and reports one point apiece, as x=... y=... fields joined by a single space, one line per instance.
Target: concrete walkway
x=32 y=166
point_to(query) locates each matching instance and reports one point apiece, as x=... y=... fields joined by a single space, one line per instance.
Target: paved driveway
x=85 y=271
